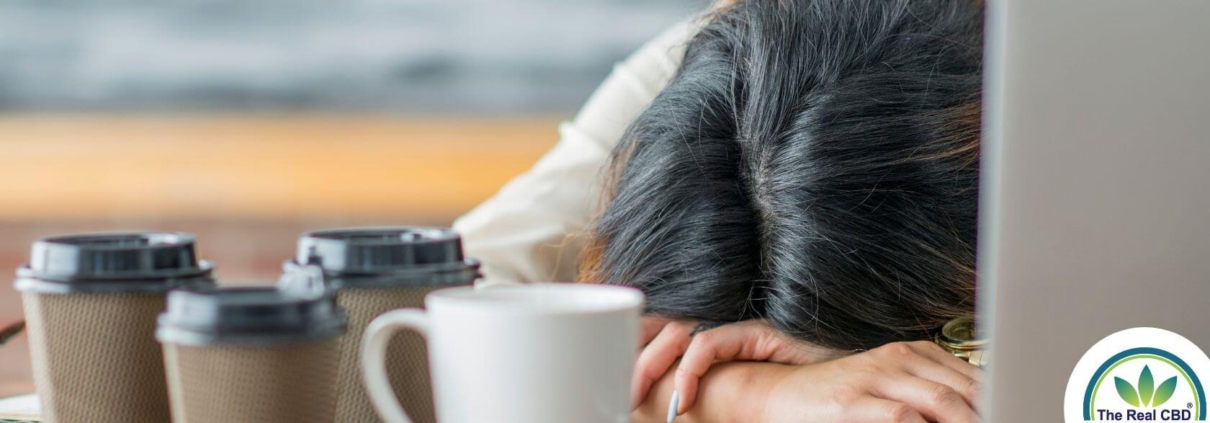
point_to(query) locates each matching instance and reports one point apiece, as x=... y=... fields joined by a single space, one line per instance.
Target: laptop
x=1095 y=214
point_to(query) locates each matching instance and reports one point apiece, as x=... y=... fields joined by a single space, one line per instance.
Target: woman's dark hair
x=813 y=163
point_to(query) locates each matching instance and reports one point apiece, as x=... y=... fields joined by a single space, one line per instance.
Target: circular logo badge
x=1140 y=374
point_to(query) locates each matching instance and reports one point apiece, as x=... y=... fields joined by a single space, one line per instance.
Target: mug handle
x=373 y=359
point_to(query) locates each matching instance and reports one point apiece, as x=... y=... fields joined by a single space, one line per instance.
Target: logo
x=1140 y=374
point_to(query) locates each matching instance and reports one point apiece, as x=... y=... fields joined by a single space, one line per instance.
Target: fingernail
x=673 y=404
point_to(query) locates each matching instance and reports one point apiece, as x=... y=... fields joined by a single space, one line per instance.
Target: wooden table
x=246 y=185
x=84 y=167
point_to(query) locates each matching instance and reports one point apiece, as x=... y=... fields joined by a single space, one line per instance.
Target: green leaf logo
x=1146 y=394
x=1126 y=391
x=1146 y=386
x=1164 y=392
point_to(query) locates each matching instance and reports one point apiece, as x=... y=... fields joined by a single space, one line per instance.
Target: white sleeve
x=534 y=228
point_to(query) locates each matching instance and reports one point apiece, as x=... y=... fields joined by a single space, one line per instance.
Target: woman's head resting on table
x=812 y=163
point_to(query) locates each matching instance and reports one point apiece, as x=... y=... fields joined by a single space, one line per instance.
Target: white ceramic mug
x=536 y=353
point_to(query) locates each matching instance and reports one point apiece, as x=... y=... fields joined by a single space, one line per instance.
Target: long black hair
x=813 y=163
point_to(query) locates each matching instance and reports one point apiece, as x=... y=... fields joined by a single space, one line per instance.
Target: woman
x=810 y=171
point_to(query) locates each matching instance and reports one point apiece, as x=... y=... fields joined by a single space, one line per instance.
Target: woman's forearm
x=729 y=393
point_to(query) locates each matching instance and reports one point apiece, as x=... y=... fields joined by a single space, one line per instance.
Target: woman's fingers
x=934 y=352
x=752 y=340
x=916 y=359
x=935 y=401
x=724 y=343
x=878 y=410
x=649 y=327
x=657 y=358
x=963 y=377
x=922 y=382
x=959 y=383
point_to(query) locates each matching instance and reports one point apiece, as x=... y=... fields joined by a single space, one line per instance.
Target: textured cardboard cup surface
x=407 y=356
x=95 y=357
x=254 y=383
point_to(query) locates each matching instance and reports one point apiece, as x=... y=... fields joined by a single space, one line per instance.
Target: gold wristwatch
x=962 y=339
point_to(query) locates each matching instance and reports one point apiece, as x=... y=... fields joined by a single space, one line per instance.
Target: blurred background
x=248 y=123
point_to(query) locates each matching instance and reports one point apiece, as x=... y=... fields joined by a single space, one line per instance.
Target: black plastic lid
x=247 y=315
x=113 y=262
x=384 y=251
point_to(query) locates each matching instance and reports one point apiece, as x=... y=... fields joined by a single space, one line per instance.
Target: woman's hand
x=754 y=340
x=914 y=382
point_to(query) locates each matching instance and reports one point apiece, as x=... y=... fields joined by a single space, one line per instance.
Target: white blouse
x=534 y=228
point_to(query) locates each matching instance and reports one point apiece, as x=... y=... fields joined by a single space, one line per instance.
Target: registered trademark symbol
x=1189 y=405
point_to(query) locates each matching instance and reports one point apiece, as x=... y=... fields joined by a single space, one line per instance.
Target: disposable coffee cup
x=254 y=355
x=90 y=307
x=372 y=271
